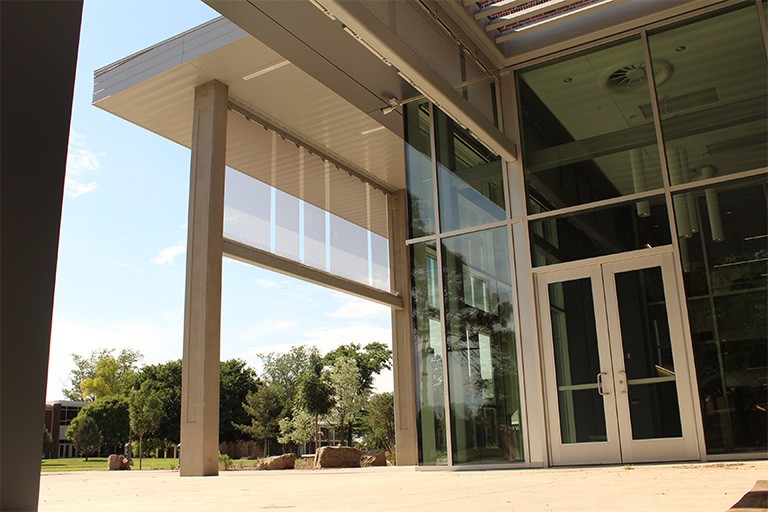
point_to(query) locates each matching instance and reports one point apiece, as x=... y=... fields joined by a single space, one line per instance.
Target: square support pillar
x=202 y=311
x=402 y=332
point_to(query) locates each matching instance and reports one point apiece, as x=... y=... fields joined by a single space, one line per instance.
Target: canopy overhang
x=154 y=89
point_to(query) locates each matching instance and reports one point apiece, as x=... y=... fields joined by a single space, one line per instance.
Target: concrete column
x=202 y=311
x=38 y=54
x=402 y=332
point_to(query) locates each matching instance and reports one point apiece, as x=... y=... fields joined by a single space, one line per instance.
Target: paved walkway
x=661 y=487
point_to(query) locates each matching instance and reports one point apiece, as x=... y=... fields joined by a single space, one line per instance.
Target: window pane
x=713 y=107
x=725 y=268
x=647 y=350
x=600 y=231
x=418 y=166
x=577 y=361
x=482 y=358
x=471 y=188
x=428 y=360
x=587 y=127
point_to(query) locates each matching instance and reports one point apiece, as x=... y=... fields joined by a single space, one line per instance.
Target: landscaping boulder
x=118 y=462
x=377 y=458
x=338 y=457
x=286 y=461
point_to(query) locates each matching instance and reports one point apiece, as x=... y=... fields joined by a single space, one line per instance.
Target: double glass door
x=615 y=367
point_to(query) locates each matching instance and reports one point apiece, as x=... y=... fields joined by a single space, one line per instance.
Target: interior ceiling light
x=632 y=78
x=674 y=104
x=267 y=69
x=563 y=15
x=528 y=10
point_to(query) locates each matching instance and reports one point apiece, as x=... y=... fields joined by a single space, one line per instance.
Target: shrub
x=225 y=462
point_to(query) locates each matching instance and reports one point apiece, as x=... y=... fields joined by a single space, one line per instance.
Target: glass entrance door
x=616 y=375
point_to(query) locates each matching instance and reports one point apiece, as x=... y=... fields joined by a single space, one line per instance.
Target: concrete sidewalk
x=658 y=487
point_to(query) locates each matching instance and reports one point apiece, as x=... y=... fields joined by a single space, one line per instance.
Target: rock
x=114 y=463
x=338 y=457
x=378 y=458
x=286 y=461
x=118 y=462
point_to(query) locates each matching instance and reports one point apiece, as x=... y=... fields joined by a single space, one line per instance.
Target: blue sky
x=121 y=267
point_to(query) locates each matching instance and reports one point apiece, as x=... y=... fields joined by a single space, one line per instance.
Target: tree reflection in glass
x=482 y=358
x=428 y=356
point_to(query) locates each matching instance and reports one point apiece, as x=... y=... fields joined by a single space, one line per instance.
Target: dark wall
x=38 y=54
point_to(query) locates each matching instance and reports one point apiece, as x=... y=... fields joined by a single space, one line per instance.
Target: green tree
x=112 y=418
x=47 y=441
x=283 y=371
x=165 y=381
x=85 y=435
x=379 y=422
x=102 y=374
x=263 y=406
x=315 y=397
x=146 y=411
x=297 y=429
x=370 y=359
x=349 y=398
x=237 y=381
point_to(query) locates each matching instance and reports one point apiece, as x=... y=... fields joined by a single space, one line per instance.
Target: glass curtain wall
x=482 y=359
x=725 y=267
x=587 y=127
x=589 y=130
x=428 y=346
x=714 y=120
x=462 y=296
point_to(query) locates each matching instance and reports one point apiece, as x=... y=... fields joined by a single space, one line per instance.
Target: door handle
x=623 y=380
x=600 y=388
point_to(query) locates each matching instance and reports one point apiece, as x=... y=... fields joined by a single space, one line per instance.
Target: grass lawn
x=100 y=464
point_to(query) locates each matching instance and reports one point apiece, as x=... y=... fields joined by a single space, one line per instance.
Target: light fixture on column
x=638 y=179
x=689 y=196
x=393 y=104
x=682 y=218
x=713 y=206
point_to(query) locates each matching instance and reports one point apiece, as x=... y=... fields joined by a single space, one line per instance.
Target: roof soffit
x=320 y=47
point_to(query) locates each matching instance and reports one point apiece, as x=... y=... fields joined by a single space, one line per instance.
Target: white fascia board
x=161 y=57
x=424 y=77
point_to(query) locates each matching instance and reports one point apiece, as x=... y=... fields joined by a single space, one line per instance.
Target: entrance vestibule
x=615 y=363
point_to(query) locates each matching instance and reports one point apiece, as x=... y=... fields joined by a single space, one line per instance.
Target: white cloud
x=122 y=264
x=166 y=256
x=328 y=338
x=158 y=341
x=82 y=164
x=355 y=308
x=325 y=339
x=281 y=326
x=384 y=382
x=267 y=283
